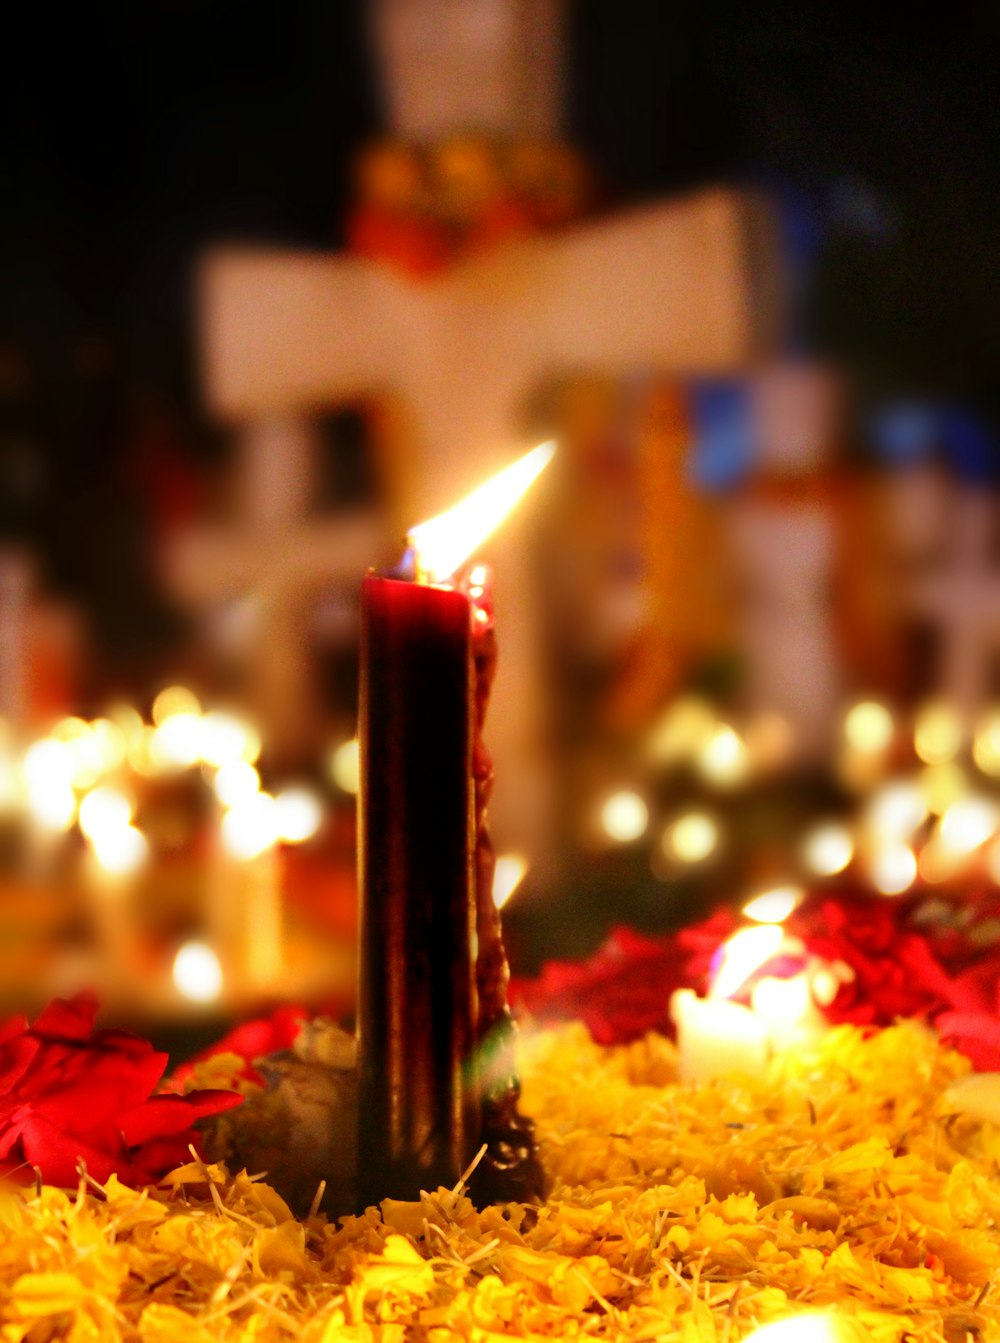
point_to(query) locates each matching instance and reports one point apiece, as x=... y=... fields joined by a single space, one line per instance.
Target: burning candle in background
x=422 y=699
x=716 y=1035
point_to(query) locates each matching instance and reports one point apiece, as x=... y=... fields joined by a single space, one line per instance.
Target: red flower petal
x=67 y=1094
x=14 y=1027
x=58 y=1154
x=163 y=1115
x=251 y=1040
x=16 y=1057
x=92 y=1086
x=975 y=1034
x=68 y=1018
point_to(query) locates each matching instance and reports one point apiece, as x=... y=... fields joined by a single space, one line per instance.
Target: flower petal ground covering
x=844 y=1185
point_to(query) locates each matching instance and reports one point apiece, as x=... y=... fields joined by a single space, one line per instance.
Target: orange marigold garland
x=843 y=1183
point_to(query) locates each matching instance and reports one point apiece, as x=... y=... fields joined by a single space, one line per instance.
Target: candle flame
x=508 y=874
x=745 y=952
x=774 y=906
x=444 y=543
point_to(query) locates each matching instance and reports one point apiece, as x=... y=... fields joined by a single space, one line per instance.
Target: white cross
x=268 y=570
x=785 y=551
x=961 y=596
x=15 y=599
x=285 y=333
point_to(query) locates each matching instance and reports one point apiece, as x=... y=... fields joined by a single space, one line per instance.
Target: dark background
x=135 y=134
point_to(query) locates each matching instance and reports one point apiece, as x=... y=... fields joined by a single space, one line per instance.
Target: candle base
x=510 y=1170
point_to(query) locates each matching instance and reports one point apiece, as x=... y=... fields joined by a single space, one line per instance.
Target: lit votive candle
x=716 y=1036
x=787 y=1010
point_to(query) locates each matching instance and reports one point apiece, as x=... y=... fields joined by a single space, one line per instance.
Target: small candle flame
x=444 y=543
x=774 y=906
x=508 y=874
x=744 y=953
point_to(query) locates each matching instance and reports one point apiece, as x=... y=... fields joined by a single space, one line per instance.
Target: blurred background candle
x=716 y=1035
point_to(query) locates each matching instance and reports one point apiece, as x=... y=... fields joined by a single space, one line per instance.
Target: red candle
x=417 y=1008
x=422 y=844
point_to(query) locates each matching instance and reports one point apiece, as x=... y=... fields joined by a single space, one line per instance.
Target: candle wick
x=408 y=569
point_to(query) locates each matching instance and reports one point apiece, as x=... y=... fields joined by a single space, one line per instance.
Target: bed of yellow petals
x=842 y=1188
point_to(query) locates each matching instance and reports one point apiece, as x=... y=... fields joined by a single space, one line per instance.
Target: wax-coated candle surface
x=417 y=1008
x=510 y=1168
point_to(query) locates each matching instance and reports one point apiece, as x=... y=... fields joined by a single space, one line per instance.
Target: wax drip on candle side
x=510 y=1169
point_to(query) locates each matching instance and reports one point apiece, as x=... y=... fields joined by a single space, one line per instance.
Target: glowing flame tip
x=444 y=543
x=743 y=955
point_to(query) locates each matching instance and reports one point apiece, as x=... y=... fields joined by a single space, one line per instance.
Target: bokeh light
x=774 y=906
x=986 y=744
x=827 y=849
x=250 y=828
x=508 y=874
x=942 y=785
x=624 y=817
x=298 y=814
x=683 y=730
x=121 y=849
x=47 y=763
x=937 y=732
x=175 y=699
x=691 y=838
x=344 y=766
x=236 y=782
x=868 y=727
x=724 y=759
x=197 y=973
x=809 y=1327
x=52 y=805
x=176 y=742
x=968 y=823
x=110 y=743
x=893 y=869
x=140 y=751
x=897 y=809
x=102 y=810
x=223 y=738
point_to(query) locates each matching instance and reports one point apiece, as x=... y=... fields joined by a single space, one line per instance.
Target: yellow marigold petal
x=35 y=1294
x=167 y=1324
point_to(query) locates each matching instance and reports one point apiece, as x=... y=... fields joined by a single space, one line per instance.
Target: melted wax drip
x=510 y=1169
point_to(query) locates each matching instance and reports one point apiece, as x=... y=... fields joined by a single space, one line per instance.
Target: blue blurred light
x=970 y=446
x=905 y=432
x=722 y=453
